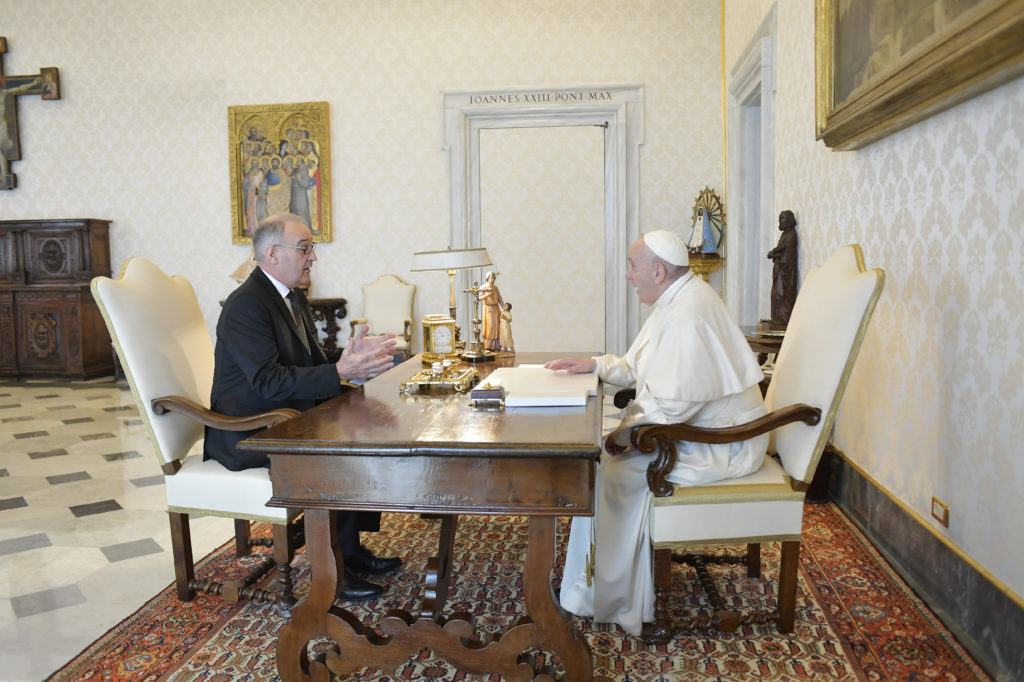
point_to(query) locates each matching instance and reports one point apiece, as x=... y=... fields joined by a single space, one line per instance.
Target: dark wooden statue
x=784 y=272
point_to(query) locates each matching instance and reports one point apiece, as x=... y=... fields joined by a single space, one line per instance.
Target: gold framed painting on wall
x=280 y=160
x=882 y=65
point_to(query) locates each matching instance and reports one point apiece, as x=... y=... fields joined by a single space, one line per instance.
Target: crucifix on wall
x=46 y=84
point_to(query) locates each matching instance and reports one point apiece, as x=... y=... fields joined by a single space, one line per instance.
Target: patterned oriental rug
x=856 y=619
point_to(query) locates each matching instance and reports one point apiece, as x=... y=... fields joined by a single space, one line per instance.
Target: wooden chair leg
x=241 y=537
x=660 y=631
x=787 y=585
x=181 y=546
x=754 y=560
x=283 y=553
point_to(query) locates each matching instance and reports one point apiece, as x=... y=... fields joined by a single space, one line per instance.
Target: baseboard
x=984 y=617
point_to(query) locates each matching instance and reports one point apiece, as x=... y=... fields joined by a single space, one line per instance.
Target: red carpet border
x=856 y=619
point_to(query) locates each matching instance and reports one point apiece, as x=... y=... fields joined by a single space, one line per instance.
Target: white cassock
x=690 y=363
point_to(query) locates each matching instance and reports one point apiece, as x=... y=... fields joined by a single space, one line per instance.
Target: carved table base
x=547 y=627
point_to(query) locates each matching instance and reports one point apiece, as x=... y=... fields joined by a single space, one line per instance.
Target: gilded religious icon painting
x=280 y=158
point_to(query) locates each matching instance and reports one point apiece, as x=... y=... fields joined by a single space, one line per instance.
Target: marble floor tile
x=47 y=600
x=131 y=582
x=100 y=507
x=31 y=520
x=147 y=481
x=24 y=543
x=47 y=568
x=36 y=646
x=12 y=503
x=131 y=549
x=65 y=579
x=68 y=478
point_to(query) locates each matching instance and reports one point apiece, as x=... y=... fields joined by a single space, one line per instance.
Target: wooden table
x=762 y=344
x=376 y=449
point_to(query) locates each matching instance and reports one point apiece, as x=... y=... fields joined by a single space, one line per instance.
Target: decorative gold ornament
x=704 y=264
x=445 y=375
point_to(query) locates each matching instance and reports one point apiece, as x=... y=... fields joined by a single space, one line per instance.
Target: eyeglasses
x=306 y=250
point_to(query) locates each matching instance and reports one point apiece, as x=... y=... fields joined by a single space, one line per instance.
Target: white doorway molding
x=751 y=176
x=619 y=110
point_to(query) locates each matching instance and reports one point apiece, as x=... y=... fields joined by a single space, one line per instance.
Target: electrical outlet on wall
x=940 y=510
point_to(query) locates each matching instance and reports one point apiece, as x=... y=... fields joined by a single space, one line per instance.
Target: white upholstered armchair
x=387 y=309
x=822 y=341
x=164 y=346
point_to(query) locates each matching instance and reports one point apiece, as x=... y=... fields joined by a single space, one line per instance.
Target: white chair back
x=165 y=349
x=822 y=341
x=387 y=304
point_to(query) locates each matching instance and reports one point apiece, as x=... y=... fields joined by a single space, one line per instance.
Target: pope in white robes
x=690 y=363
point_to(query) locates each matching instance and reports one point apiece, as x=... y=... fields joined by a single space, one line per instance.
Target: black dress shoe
x=358 y=589
x=363 y=561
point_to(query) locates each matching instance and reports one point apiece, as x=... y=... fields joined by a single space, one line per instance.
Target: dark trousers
x=349 y=523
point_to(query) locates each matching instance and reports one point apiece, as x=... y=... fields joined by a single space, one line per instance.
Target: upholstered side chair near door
x=823 y=338
x=165 y=348
x=387 y=309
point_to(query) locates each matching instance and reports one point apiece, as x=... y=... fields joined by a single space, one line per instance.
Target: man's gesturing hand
x=366 y=357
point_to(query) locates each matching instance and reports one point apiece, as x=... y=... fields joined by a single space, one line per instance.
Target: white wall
x=141 y=137
x=934 y=406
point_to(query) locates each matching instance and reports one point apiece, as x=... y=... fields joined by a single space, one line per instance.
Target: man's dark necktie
x=297 y=314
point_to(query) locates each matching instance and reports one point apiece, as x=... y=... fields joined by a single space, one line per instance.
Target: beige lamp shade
x=451 y=259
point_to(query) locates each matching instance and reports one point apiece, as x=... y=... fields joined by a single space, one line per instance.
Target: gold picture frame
x=280 y=160
x=882 y=65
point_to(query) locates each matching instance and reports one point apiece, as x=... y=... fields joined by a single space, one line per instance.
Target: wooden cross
x=46 y=84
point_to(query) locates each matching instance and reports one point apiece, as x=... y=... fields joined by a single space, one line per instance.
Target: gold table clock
x=439 y=339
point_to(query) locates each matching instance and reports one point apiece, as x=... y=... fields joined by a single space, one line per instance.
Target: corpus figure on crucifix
x=46 y=84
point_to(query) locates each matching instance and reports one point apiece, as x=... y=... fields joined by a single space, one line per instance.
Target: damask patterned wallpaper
x=934 y=406
x=140 y=135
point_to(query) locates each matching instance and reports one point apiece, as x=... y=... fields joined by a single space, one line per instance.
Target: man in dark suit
x=268 y=357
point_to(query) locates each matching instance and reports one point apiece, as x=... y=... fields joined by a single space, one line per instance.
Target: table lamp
x=450 y=260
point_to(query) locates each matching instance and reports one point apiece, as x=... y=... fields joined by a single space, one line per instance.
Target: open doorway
x=542 y=209
x=616 y=112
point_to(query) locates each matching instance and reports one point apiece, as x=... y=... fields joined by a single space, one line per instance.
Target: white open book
x=535 y=386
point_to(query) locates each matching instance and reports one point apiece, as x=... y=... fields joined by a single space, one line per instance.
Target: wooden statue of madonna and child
x=495 y=316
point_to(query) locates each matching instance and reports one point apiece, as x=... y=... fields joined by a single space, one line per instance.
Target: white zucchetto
x=667 y=246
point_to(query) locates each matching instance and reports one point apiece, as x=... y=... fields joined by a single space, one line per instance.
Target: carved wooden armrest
x=647 y=437
x=408 y=331
x=352 y=324
x=192 y=409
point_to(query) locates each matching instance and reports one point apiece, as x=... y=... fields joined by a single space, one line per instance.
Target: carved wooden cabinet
x=49 y=324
